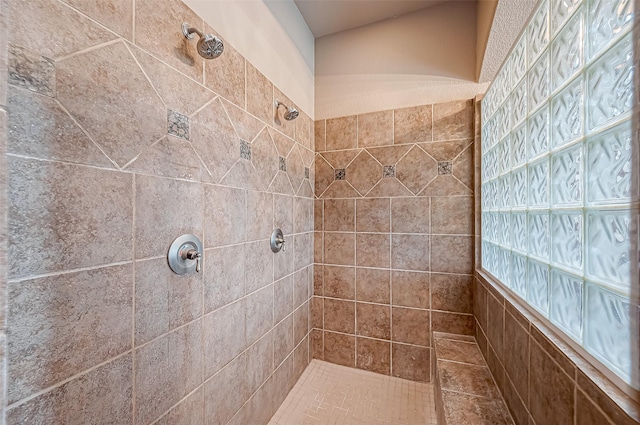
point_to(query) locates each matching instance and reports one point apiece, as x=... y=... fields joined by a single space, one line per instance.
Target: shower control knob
x=185 y=255
x=192 y=254
x=277 y=241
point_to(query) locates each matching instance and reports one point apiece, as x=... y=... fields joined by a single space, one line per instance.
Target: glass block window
x=558 y=202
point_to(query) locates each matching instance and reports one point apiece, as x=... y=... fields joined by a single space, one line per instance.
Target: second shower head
x=209 y=46
x=290 y=114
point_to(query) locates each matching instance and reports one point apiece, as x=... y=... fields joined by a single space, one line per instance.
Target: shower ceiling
x=326 y=17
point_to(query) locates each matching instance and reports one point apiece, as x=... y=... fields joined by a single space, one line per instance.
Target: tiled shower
x=116 y=137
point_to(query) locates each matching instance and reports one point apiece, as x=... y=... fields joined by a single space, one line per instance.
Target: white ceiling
x=330 y=16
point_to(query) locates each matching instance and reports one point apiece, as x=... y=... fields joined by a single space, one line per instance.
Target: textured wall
x=394 y=236
x=121 y=138
x=3 y=202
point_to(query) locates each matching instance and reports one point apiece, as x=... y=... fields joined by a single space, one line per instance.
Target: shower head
x=291 y=113
x=209 y=46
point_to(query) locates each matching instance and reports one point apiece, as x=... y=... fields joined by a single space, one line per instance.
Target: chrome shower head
x=291 y=113
x=209 y=46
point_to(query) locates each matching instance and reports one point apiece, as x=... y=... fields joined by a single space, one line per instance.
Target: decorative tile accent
x=29 y=70
x=340 y=174
x=306 y=173
x=389 y=171
x=245 y=150
x=444 y=167
x=178 y=124
x=282 y=163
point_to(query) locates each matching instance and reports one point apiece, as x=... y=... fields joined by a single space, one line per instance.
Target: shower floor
x=337 y=395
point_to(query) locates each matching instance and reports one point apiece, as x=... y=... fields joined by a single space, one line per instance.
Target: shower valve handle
x=193 y=254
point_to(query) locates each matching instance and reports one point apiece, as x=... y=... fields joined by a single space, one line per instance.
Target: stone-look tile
x=317 y=344
x=226 y=392
x=300 y=323
x=178 y=124
x=372 y=285
x=318 y=247
x=125 y=115
x=389 y=155
x=416 y=169
x=553 y=350
x=259 y=94
x=410 y=362
x=453 y=120
x=279 y=123
x=317 y=312
x=468 y=409
x=551 y=392
x=283 y=213
x=375 y=129
x=373 y=320
x=92 y=208
x=163 y=299
x=157 y=30
x=283 y=261
x=301 y=286
x=300 y=362
x=104 y=392
x=413 y=125
x=319 y=135
x=389 y=187
x=341 y=159
x=246 y=125
x=283 y=380
x=318 y=215
x=463 y=167
x=225 y=216
x=410 y=252
x=458 y=351
x=515 y=405
x=69 y=32
x=389 y=171
x=446 y=151
x=453 y=323
x=303 y=130
x=452 y=254
x=602 y=399
x=467 y=378
x=372 y=250
x=295 y=169
x=341 y=133
x=218 y=157
x=339 y=215
x=282 y=340
x=190 y=411
x=259 y=313
x=339 y=248
x=177 y=91
x=167 y=369
x=243 y=174
x=480 y=303
x=452 y=215
x=50 y=317
x=373 y=355
x=339 y=315
x=516 y=355
x=445 y=186
x=258 y=265
x=411 y=326
x=341 y=189
x=410 y=289
x=495 y=368
x=259 y=215
x=224 y=336
x=283 y=143
x=38 y=127
x=302 y=215
x=586 y=411
x=282 y=298
x=259 y=362
x=116 y=15
x=444 y=168
x=340 y=349
x=224 y=276
x=339 y=282
x=303 y=250
x=364 y=172
x=159 y=215
x=29 y=70
x=450 y=292
x=265 y=158
x=495 y=324
x=372 y=215
x=410 y=215
x=171 y=157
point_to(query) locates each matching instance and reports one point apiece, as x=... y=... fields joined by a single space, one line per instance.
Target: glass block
x=538 y=78
x=539 y=235
x=560 y=12
x=503 y=82
x=606 y=20
x=610 y=84
x=504 y=189
x=489 y=257
x=519 y=274
x=519 y=187
x=503 y=265
x=610 y=160
x=488 y=104
x=609 y=245
x=566 y=114
x=486 y=135
x=503 y=121
x=518 y=232
x=566 y=239
x=565 y=307
x=566 y=177
x=519 y=145
x=538 y=31
x=504 y=155
x=484 y=195
x=538 y=133
x=566 y=52
x=519 y=60
x=504 y=219
x=519 y=103
x=607 y=328
x=539 y=183
x=538 y=285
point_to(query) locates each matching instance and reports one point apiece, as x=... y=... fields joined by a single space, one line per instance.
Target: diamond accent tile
x=389 y=171
x=306 y=173
x=364 y=172
x=340 y=174
x=282 y=163
x=178 y=124
x=444 y=167
x=416 y=169
x=245 y=150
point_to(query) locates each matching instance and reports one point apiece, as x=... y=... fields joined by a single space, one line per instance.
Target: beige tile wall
x=3 y=203
x=120 y=139
x=394 y=226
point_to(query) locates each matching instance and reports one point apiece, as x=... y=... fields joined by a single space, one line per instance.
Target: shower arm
x=189 y=31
